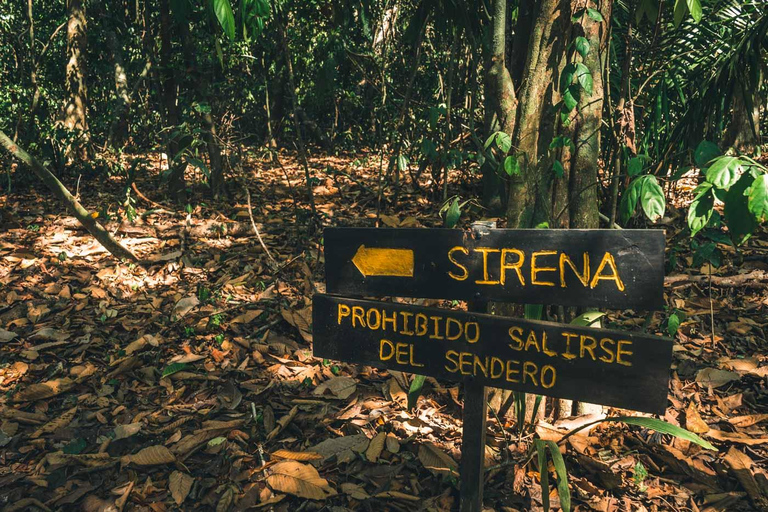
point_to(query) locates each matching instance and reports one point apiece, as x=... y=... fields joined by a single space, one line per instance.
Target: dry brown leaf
x=184 y=306
x=341 y=387
x=747 y=420
x=247 y=317
x=437 y=461
x=693 y=421
x=300 y=456
x=54 y=425
x=180 y=484
x=6 y=336
x=150 y=456
x=736 y=437
x=392 y=443
x=42 y=390
x=715 y=378
x=354 y=491
x=299 y=479
x=740 y=465
x=301 y=319
x=123 y=431
x=49 y=334
x=343 y=448
x=375 y=447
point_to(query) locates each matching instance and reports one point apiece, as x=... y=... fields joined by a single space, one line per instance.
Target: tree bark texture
x=74 y=116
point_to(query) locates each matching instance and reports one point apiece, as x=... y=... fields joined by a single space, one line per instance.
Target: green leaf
x=452 y=214
x=566 y=77
x=503 y=141
x=705 y=152
x=173 y=368
x=584 y=77
x=635 y=166
x=415 y=390
x=694 y=7
x=701 y=208
x=557 y=168
x=758 y=198
x=652 y=198
x=541 y=452
x=223 y=11
x=740 y=220
x=673 y=323
x=489 y=140
x=533 y=311
x=629 y=200
x=582 y=46
x=663 y=427
x=681 y=9
x=511 y=165
x=725 y=171
x=402 y=162
x=588 y=319
x=562 y=476
x=571 y=97
x=594 y=14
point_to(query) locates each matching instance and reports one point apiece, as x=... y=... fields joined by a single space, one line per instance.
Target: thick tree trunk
x=74 y=114
x=743 y=132
x=118 y=131
x=73 y=205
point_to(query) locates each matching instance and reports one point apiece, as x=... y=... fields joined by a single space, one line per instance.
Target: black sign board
x=610 y=268
x=601 y=366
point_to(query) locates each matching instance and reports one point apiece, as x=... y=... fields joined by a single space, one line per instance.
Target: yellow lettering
x=368 y=315
x=535 y=270
x=474 y=338
x=532 y=341
x=463 y=361
x=584 y=277
x=519 y=331
x=436 y=334
x=483 y=368
x=421 y=328
x=452 y=321
x=414 y=363
x=464 y=272
x=587 y=347
x=495 y=360
x=609 y=357
x=550 y=353
x=406 y=315
x=607 y=261
x=357 y=315
x=620 y=352
x=510 y=372
x=529 y=370
x=385 y=320
x=343 y=311
x=400 y=351
x=517 y=266
x=454 y=361
x=568 y=337
x=391 y=346
x=486 y=277
x=543 y=376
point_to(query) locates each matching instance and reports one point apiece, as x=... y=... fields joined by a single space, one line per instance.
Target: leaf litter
x=189 y=382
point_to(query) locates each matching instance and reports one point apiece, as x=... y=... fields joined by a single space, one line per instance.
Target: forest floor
x=188 y=383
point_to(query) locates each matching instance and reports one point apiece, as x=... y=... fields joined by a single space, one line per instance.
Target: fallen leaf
x=341 y=387
x=300 y=456
x=54 y=425
x=42 y=390
x=437 y=461
x=150 y=456
x=736 y=437
x=693 y=421
x=128 y=430
x=375 y=447
x=302 y=480
x=184 y=306
x=712 y=377
x=740 y=465
x=6 y=336
x=747 y=420
x=343 y=448
x=354 y=491
x=180 y=484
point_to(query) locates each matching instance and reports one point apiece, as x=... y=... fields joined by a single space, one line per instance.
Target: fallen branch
x=754 y=279
x=73 y=205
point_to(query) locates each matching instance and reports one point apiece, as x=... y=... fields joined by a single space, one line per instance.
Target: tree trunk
x=74 y=114
x=118 y=130
x=743 y=132
x=73 y=205
x=176 y=185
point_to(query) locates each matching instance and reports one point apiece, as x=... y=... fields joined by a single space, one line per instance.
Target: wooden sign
x=611 y=268
x=600 y=366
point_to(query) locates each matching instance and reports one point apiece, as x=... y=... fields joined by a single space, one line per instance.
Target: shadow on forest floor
x=179 y=384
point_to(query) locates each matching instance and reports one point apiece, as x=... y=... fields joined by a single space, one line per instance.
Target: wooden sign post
x=609 y=268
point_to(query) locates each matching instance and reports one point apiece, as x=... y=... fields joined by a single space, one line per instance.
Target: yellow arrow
x=374 y=261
